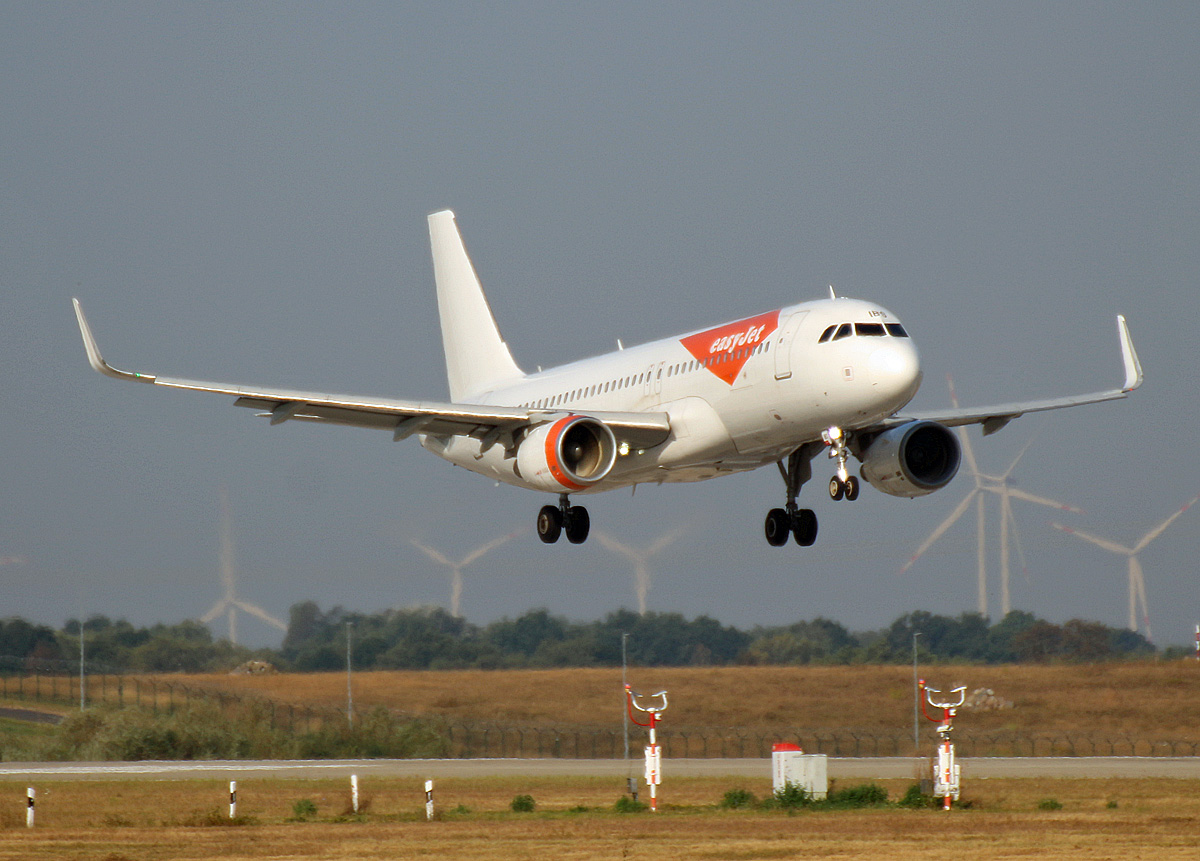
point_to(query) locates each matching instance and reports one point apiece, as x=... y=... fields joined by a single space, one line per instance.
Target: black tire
x=549 y=524
x=852 y=488
x=777 y=527
x=836 y=489
x=804 y=527
x=578 y=524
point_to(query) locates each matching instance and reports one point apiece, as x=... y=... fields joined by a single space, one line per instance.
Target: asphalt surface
x=879 y=768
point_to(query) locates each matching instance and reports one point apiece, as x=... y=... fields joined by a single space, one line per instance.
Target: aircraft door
x=783 y=345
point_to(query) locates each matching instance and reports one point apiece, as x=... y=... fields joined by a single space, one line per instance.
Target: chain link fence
x=487 y=739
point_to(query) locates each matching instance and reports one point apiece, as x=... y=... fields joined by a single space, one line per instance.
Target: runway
x=866 y=768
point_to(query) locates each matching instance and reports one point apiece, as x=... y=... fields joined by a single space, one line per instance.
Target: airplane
x=778 y=387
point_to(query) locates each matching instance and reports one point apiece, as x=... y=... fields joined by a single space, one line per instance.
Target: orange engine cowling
x=566 y=455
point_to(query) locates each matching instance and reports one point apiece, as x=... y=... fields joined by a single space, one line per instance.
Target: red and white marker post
x=653 y=750
x=945 y=770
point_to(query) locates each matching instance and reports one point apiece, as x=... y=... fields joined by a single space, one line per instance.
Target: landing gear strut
x=572 y=519
x=800 y=523
x=843 y=485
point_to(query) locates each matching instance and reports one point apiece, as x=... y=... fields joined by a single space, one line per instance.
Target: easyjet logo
x=725 y=349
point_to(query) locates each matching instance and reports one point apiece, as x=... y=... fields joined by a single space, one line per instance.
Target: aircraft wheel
x=777 y=527
x=836 y=489
x=852 y=488
x=804 y=527
x=577 y=524
x=549 y=524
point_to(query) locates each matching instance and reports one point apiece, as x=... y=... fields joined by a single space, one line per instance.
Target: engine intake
x=912 y=460
x=569 y=454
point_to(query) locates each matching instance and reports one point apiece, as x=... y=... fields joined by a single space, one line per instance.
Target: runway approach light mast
x=653 y=750
x=945 y=769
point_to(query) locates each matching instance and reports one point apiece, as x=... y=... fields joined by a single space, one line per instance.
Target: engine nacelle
x=570 y=454
x=911 y=460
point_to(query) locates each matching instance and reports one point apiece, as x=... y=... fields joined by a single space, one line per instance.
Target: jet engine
x=567 y=455
x=912 y=459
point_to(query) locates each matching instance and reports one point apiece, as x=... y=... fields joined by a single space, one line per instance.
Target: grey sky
x=239 y=193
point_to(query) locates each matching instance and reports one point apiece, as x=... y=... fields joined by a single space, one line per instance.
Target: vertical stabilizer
x=477 y=359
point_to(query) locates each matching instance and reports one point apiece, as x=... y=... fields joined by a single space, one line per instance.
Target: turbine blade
x=937 y=533
x=217 y=609
x=1111 y=546
x=616 y=546
x=968 y=452
x=1016 y=539
x=480 y=552
x=1158 y=530
x=1141 y=592
x=435 y=555
x=665 y=541
x=1012 y=466
x=255 y=610
x=1041 y=500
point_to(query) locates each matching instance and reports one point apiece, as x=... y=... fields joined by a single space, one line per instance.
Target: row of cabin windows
x=864 y=330
x=626 y=382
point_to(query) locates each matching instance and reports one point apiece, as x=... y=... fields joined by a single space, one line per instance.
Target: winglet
x=1133 y=367
x=93 y=352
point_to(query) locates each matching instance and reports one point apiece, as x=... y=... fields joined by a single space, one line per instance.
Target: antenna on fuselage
x=832 y=295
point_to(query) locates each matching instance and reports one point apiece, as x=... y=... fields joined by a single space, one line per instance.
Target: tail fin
x=477 y=359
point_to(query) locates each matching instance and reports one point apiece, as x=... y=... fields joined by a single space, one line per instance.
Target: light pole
x=916 y=697
x=82 y=677
x=624 y=712
x=349 y=689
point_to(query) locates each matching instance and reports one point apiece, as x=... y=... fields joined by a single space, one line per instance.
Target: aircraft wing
x=402 y=418
x=993 y=418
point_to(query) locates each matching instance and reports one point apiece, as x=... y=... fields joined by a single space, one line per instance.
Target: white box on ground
x=789 y=764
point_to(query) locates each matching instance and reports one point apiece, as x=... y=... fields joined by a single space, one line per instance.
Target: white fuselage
x=739 y=395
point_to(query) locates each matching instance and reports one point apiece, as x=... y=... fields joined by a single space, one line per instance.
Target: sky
x=238 y=192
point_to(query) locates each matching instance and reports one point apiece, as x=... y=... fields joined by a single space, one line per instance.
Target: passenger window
x=869 y=330
x=843 y=331
x=827 y=334
x=896 y=330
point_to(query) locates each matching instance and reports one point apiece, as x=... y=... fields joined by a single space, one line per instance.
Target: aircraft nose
x=896 y=370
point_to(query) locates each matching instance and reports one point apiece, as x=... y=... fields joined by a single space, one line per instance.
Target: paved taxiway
x=879 y=768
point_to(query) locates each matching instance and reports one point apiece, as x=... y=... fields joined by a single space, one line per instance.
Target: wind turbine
x=1137 y=580
x=640 y=559
x=230 y=603
x=1002 y=486
x=456 y=568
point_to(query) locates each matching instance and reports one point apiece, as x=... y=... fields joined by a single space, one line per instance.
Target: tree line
x=431 y=638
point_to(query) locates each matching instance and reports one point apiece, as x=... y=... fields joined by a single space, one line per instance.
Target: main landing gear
x=800 y=523
x=571 y=519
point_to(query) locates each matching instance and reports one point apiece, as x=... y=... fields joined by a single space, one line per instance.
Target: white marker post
x=354 y=792
x=29 y=794
x=233 y=799
x=429 y=800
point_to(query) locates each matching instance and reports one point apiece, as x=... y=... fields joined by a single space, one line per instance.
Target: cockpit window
x=827 y=334
x=843 y=331
x=896 y=330
x=871 y=330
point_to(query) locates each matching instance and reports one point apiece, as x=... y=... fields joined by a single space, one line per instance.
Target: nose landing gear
x=843 y=485
x=553 y=521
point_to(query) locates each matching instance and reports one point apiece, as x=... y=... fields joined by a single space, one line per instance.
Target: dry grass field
x=149 y=820
x=1151 y=698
